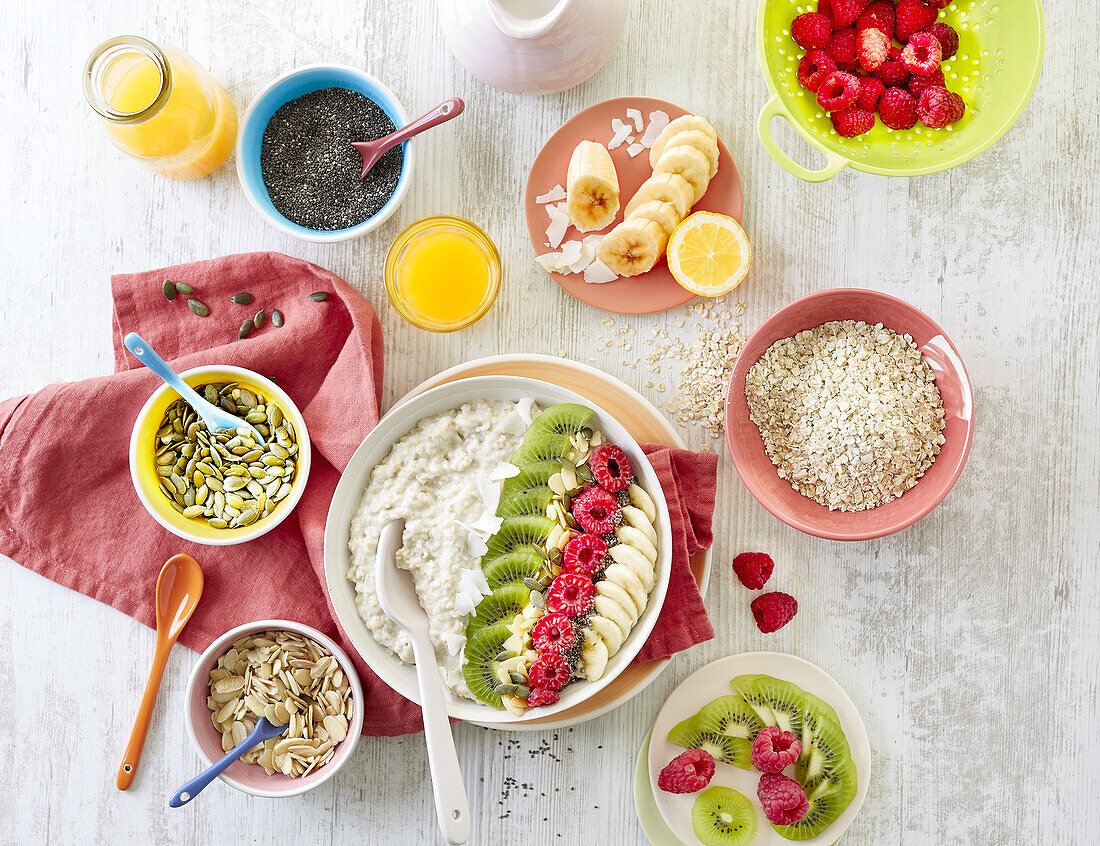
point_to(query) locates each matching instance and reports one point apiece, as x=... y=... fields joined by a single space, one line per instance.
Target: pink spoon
x=372 y=151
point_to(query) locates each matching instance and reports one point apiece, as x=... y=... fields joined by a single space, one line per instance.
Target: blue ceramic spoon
x=265 y=730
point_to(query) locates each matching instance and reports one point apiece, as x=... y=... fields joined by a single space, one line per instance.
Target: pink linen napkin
x=68 y=510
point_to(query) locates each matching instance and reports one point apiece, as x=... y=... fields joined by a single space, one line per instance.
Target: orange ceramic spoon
x=179 y=587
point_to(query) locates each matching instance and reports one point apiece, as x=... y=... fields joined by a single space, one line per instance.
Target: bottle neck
x=110 y=62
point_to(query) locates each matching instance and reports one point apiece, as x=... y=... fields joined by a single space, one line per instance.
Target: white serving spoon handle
x=451 y=805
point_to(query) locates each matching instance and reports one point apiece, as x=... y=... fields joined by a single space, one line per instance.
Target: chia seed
x=310 y=169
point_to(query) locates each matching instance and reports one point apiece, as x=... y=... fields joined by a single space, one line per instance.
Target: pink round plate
x=756 y=469
x=649 y=292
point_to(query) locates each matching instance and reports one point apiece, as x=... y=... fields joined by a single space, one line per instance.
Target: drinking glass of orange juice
x=160 y=107
x=442 y=273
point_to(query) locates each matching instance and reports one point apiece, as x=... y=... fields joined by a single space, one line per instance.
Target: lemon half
x=709 y=254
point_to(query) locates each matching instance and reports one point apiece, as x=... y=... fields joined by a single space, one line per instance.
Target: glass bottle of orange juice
x=160 y=107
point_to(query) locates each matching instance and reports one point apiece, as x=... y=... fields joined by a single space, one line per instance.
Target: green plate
x=995 y=71
x=653 y=825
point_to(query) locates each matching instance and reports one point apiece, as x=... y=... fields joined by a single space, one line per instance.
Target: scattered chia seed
x=310 y=169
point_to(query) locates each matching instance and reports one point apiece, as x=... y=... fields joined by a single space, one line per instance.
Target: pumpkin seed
x=198 y=308
x=276 y=318
x=505 y=689
x=533 y=584
x=503 y=655
x=169 y=290
x=243 y=298
x=522 y=691
x=517 y=678
x=246 y=327
x=183 y=288
x=538 y=600
x=258 y=320
x=318 y=296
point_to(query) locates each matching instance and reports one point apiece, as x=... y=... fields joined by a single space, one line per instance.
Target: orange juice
x=161 y=108
x=442 y=273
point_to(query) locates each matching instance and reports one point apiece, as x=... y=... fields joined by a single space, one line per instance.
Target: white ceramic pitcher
x=532 y=46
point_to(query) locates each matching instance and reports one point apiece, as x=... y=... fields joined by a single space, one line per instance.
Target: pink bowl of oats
x=849 y=414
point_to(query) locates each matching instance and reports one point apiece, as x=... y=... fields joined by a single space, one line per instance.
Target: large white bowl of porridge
x=556 y=564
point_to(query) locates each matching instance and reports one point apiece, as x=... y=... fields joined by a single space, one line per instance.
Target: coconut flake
x=598 y=273
x=526 y=408
x=552 y=196
x=502 y=472
x=465 y=603
x=455 y=642
x=475 y=545
x=621 y=131
x=559 y=223
x=636 y=116
x=587 y=256
x=658 y=120
x=480 y=582
x=551 y=262
x=490 y=493
x=570 y=253
x=593 y=239
x=513 y=424
x=634 y=149
x=487 y=525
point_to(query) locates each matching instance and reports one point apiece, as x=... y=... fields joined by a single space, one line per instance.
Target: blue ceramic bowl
x=288 y=87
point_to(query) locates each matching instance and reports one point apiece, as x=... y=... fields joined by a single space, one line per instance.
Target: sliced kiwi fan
x=724 y=727
x=518 y=532
x=541 y=448
x=530 y=501
x=498 y=607
x=512 y=568
x=534 y=475
x=480 y=668
x=565 y=418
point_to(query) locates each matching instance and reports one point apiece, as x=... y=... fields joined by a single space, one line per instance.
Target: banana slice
x=608 y=631
x=667 y=188
x=640 y=499
x=636 y=539
x=661 y=213
x=607 y=587
x=592 y=193
x=690 y=163
x=636 y=517
x=609 y=609
x=594 y=655
x=700 y=141
x=686 y=123
x=624 y=577
x=638 y=564
x=633 y=246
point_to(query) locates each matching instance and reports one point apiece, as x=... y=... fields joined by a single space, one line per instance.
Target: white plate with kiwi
x=345 y=502
x=720 y=708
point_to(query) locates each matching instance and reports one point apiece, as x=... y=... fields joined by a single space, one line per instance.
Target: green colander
x=996 y=70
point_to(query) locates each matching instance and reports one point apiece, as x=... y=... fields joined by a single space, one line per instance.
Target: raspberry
x=584 y=555
x=811 y=30
x=845 y=12
x=922 y=54
x=892 y=71
x=611 y=467
x=825 y=7
x=937 y=4
x=939 y=107
x=554 y=632
x=838 y=91
x=688 y=772
x=898 y=109
x=852 y=121
x=572 y=594
x=542 y=696
x=597 y=511
x=870 y=90
x=783 y=799
x=842 y=46
x=912 y=16
x=872 y=47
x=948 y=38
x=773 y=749
x=772 y=610
x=753 y=569
x=918 y=83
x=549 y=671
x=814 y=67
x=879 y=15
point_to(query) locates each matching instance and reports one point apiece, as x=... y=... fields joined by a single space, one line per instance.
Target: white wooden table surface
x=969 y=641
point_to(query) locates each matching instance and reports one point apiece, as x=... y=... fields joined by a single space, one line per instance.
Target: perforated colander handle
x=774 y=108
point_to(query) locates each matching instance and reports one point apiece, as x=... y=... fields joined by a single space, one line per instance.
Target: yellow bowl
x=143 y=467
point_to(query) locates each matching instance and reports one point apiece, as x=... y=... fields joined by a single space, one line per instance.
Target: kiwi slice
x=500 y=606
x=532 y=476
x=530 y=501
x=776 y=702
x=565 y=418
x=512 y=568
x=479 y=671
x=721 y=816
x=724 y=727
x=541 y=448
x=516 y=532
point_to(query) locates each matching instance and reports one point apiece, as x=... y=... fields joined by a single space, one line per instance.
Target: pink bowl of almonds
x=288 y=672
x=849 y=414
